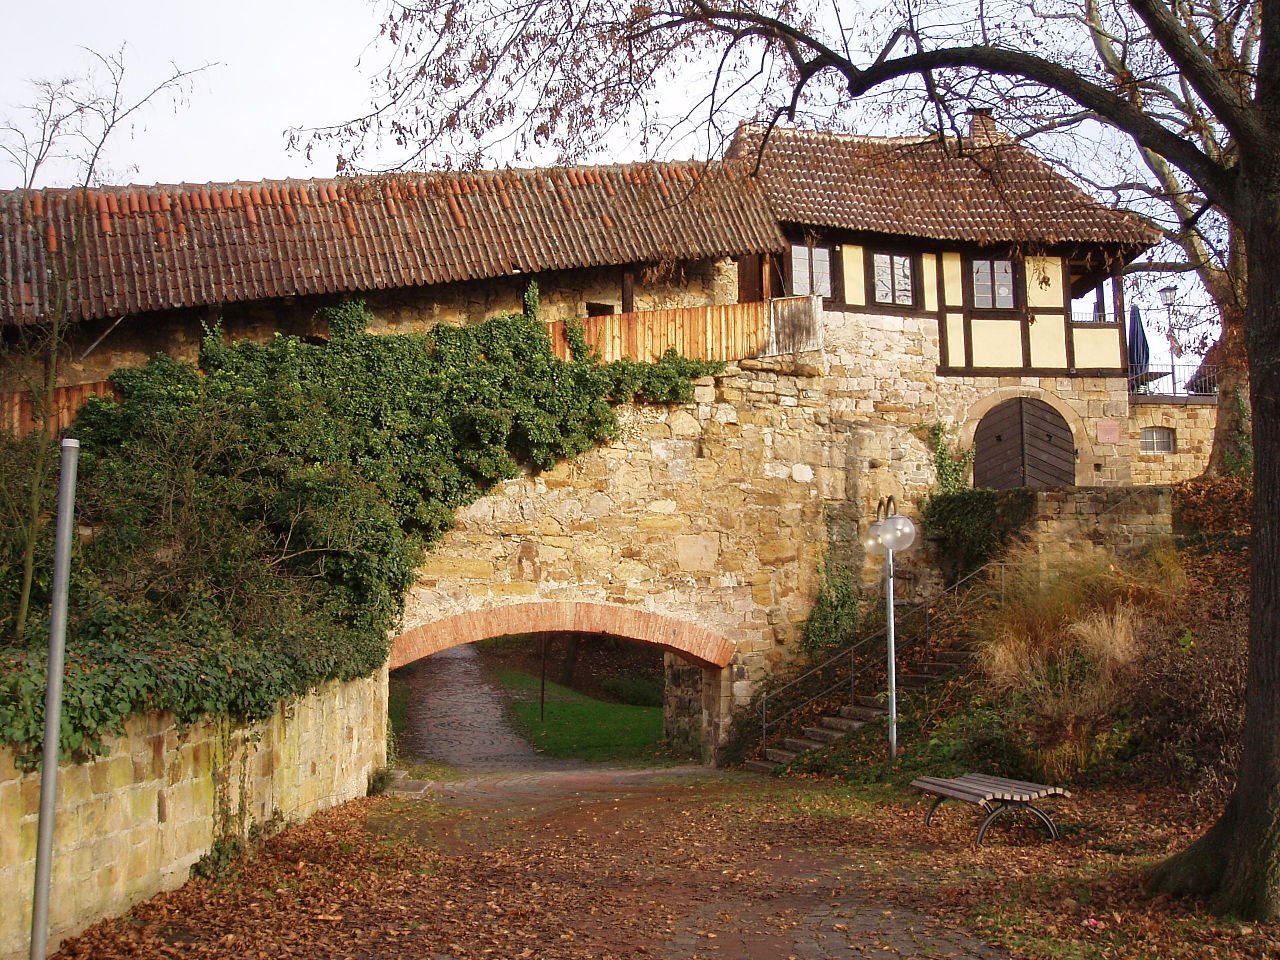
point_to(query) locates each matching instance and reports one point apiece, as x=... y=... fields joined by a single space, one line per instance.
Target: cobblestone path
x=736 y=900
x=455 y=717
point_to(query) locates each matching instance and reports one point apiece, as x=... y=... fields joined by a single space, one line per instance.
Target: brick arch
x=689 y=639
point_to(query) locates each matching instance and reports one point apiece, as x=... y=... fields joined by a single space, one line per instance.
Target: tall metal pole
x=893 y=669
x=542 y=686
x=53 y=696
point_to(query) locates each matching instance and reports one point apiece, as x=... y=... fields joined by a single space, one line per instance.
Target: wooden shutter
x=751 y=278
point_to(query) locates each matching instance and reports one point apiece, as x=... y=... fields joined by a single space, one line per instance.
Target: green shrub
x=972 y=527
x=1188 y=698
x=961 y=732
x=950 y=467
x=1064 y=641
x=250 y=529
x=833 y=621
x=636 y=691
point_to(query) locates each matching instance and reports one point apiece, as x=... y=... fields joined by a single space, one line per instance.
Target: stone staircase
x=833 y=727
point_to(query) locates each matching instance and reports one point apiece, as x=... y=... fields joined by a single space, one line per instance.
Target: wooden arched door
x=1023 y=442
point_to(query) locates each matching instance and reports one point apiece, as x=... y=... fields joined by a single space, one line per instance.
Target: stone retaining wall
x=132 y=822
x=1121 y=518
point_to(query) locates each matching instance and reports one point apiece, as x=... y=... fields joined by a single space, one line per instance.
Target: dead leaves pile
x=644 y=873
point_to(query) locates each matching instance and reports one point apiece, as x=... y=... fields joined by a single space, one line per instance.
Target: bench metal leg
x=928 y=817
x=1007 y=805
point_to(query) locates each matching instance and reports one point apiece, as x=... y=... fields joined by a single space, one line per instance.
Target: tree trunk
x=43 y=405
x=570 y=662
x=1237 y=863
x=1232 y=452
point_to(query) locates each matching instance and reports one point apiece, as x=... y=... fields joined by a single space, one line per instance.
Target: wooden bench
x=994 y=795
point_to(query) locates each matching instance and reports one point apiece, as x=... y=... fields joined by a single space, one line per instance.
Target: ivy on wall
x=950 y=466
x=972 y=527
x=250 y=529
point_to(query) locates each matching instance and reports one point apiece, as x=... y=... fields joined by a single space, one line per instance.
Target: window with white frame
x=1156 y=440
x=893 y=279
x=993 y=285
x=811 y=270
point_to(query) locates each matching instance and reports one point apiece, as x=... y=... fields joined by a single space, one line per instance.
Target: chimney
x=982 y=127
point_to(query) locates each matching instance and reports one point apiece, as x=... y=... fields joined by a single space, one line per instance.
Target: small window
x=893 y=279
x=993 y=287
x=810 y=271
x=599 y=309
x=1156 y=440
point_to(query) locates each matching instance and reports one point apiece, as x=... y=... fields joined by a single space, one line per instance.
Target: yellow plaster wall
x=1044 y=282
x=854 y=275
x=953 y=279
x=1098 y=348
x=997 y=343
x=1049 y=341
x=929 y=279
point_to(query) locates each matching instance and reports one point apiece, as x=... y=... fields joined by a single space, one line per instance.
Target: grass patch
x=397 y=706
x=637 y=691
x=578 y=727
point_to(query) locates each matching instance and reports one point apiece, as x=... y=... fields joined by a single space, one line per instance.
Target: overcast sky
x=278 y=64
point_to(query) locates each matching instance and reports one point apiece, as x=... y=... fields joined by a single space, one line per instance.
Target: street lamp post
x=891 y=532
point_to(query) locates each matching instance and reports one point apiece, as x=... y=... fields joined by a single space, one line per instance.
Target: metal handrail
x=850 y=651
x=1174 y=380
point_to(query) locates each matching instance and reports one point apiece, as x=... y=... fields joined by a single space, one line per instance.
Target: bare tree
x=1192 y=85
x=1198 y=239
x=67 y=128
x=515 y=78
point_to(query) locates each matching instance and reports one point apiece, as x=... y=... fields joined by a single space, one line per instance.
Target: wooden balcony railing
x=728 y=331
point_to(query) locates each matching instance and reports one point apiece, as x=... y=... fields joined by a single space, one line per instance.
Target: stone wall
x=719 y=514
x=712 y=517
x=1192 y=420
x=1120 y=518
x=132 y=822
x=882 y=384
x=682 y=705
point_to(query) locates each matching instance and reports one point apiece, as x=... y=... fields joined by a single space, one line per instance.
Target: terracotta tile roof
x=161 y=247
x=989 y=191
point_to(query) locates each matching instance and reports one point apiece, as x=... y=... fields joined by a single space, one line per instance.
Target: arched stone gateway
x=612 y=620
x=698 y=692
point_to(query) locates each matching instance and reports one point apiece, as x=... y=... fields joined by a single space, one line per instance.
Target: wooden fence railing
x=18 y=412
x=729 y=331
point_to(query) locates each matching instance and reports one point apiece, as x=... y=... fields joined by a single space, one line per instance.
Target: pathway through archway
x=456 y=717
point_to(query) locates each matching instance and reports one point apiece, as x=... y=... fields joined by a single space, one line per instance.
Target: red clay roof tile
x=994 y=193
x=189 y=245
